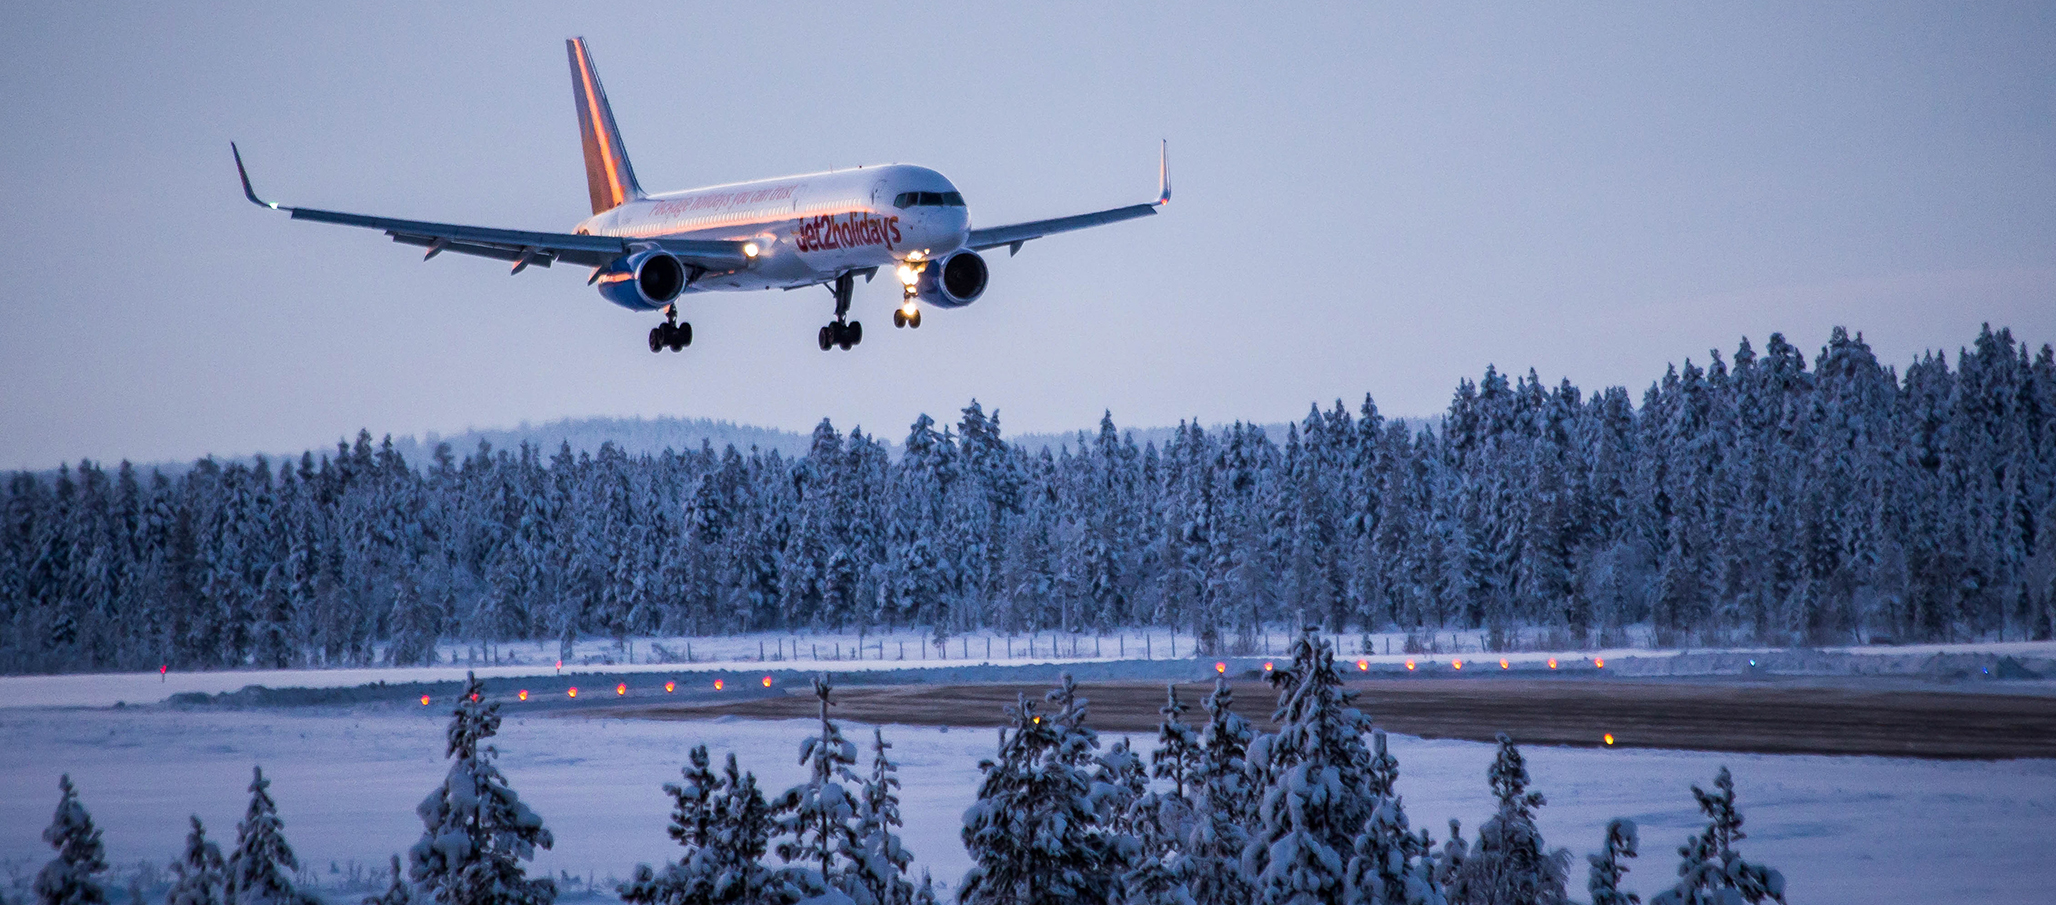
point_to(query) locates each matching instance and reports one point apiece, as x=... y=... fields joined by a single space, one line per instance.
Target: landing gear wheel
x=681 y=336
x=914 y=319
x=899 y=318
x=853 y=334
x=827 y=337
x=660 y=337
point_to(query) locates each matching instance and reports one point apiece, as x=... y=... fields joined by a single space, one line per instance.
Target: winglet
x=1164 y=173
x=245 y=174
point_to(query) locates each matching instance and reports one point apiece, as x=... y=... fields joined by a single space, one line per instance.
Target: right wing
x=519 y=246
x=1012 y=235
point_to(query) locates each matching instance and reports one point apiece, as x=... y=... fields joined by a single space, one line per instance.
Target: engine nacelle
x=953 y=280
x=643 y=281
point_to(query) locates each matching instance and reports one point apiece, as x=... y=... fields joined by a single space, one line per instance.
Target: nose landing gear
x=843 y=332
x=670 y=334
x=907 y=315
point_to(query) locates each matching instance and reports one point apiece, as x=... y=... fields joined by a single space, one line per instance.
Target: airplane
x=818 y=229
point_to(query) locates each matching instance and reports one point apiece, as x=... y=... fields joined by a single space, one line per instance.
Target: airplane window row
x=928 y=199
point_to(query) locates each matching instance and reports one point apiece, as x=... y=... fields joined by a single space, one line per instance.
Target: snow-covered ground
x=1843 y=830
x=908 y=649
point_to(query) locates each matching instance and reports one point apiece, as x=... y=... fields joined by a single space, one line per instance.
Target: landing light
x=909 y=275
x=750 y=249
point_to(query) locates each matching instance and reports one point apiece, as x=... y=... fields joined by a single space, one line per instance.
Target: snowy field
x=1843 y=830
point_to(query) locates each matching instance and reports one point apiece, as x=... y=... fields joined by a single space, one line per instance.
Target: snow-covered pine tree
x=1033 y=834
x=1508 y=865
x=878 y=862
x=1316 y=792
x=1178 y=755
x=817 y=819
x=1391 y=865
x=695 y=818
x=740 y=838
x=397 y=892
x=200 y=876
x=260 y=870
x=475 y=830
x=1213 y=850
x=1712 y=872
x=1449 y=860
x=1604 y=881
x=69 y=878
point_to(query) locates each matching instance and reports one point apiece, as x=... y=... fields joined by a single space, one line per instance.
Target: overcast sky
x=1370 y=198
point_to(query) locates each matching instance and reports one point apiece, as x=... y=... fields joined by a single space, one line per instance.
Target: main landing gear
x=670 y=334
x=842 y=332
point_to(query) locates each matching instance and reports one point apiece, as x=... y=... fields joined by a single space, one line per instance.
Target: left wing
x=1013 y=235
x=519 y=246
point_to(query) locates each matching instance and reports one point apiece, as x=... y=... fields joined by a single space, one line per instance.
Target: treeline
x=1756 y=499
x=1219 y=815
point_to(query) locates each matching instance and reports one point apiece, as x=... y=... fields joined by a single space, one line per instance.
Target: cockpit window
x=927 y=199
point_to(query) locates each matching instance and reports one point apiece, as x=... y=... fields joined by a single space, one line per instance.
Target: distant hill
x=635 y=436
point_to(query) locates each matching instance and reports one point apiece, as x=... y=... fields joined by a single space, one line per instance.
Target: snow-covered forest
x=1760 y=498
x=1216 y=814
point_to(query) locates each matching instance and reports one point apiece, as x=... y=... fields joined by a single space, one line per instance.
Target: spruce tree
x=200 y=876
x=1316 y=792
x=475 y=830
x=260 y=870
x=69 y=878
x=695 y=823
x=818 y=817
x=878 y=861
x=1213 y=850
x=1508 y=865
x=1033 y=834
x=1604 y=881
x=1391 y=865
x=1712 y=872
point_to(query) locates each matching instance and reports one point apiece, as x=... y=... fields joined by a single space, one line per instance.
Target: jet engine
x=643 y=281
x=953 y=280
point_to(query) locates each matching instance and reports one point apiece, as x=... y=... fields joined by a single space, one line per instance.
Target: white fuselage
x=807 y=229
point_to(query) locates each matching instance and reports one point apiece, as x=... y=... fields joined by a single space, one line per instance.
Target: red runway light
x=1599 y=662
x=1220 y=667
x=1409 y=665
x=573 y=692
x=621 y=688
x=1552 y=662
x=717 y=684
x=767 y=681
x=1456 y=663
x=1503 y=664
x=1267 y=667
x=1364 y=665
x=670 y=686
x=424 y=700
x=523 y=695
x=1609 y=738
x=474 y=697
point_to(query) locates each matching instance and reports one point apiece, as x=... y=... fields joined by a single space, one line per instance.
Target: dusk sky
x=1369 y=198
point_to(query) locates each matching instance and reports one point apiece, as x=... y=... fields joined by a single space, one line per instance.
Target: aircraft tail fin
x=608 y=176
